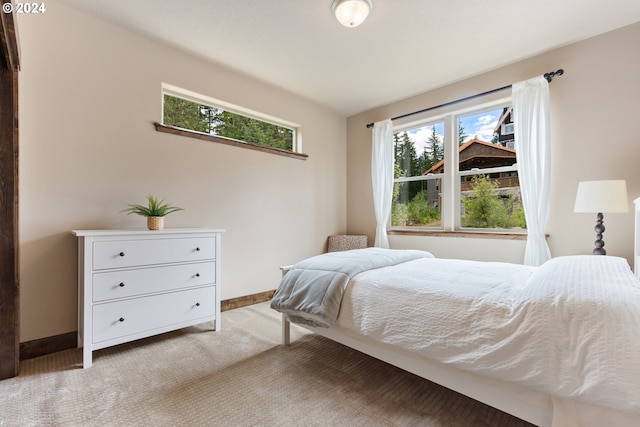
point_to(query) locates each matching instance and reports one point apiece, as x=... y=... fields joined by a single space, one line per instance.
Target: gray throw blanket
x=311 y=292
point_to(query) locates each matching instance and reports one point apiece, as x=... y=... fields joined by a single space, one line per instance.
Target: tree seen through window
x=203 y=118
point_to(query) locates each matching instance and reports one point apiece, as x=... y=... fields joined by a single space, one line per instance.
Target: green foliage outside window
x=416 y=213
x=185 y=114
x=191 y=115
x=419 y=212
x=484 y=208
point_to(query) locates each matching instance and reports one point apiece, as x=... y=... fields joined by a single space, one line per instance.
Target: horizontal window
x=192 y=112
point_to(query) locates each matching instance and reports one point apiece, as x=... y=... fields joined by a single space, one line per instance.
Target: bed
x=556 y=345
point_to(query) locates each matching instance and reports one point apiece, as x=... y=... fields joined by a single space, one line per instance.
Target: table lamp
x=601 y=197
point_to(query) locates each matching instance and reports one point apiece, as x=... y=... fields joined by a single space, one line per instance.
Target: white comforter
x=570 y=328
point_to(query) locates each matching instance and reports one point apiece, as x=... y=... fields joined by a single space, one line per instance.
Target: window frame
x=508 y=128
x=177 y=92
x=451 y=199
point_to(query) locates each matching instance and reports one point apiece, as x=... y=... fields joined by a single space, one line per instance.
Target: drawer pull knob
x=197 y=274
x=121 y=319
x=121 y=254
x=197 y=304
x=197 y=249
x=121 y=285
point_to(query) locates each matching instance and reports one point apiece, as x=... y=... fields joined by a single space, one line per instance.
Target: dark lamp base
x=599 y=243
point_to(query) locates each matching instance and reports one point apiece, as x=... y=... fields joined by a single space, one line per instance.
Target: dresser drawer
x=116 y=284
x=133 y=316
x=131 y=253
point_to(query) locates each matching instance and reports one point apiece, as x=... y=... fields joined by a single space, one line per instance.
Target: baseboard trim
x=43 y=346
x=53 y=344
x=244 y=301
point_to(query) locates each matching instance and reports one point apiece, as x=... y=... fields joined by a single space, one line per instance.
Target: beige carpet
x=239 y=376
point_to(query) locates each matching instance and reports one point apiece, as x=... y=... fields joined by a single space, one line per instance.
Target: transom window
x=193 y=112
x=481 y=191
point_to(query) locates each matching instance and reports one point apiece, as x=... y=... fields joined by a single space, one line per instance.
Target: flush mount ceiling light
x=351 y=13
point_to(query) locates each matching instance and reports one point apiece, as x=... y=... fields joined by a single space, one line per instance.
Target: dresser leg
x=87 y=359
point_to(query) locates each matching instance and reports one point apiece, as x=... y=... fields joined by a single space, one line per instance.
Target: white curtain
x=530 y=100
x=382 y=178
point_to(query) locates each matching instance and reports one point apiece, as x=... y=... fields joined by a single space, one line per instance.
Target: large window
x=481 y=191
x=185 y=110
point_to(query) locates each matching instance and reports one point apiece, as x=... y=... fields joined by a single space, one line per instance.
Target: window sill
x=228 y=141
x=461 y=234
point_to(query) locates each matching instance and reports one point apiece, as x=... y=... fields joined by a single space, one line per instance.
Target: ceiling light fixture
x=351 y=13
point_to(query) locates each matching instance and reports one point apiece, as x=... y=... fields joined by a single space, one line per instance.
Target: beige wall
x=89 y=94
x=595 y=110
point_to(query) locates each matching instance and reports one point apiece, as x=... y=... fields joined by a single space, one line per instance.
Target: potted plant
x=155 y=211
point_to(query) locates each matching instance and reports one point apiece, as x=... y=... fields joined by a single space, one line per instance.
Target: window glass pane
x=419 y=154
x=416 y=207
x=482 y=143
x=484 y=203
x=489 y=197
x=185 y=114
x=204 y=118
x=418 y=150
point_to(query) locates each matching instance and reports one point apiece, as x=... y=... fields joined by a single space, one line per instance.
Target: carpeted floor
x=239 y=376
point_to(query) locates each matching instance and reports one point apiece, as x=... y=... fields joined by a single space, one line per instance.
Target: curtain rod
x=549 y=76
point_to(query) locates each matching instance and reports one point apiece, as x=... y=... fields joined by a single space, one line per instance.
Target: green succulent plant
x=155 y=207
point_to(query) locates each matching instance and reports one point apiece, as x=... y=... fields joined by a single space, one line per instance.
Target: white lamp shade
x=351 y=13
x=602 y=197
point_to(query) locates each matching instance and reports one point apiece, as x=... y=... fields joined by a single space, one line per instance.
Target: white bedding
x=570 y=328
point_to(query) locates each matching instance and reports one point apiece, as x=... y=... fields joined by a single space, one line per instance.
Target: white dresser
x=137 y=283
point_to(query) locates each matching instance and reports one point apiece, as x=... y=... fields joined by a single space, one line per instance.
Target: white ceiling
x=404 y=48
